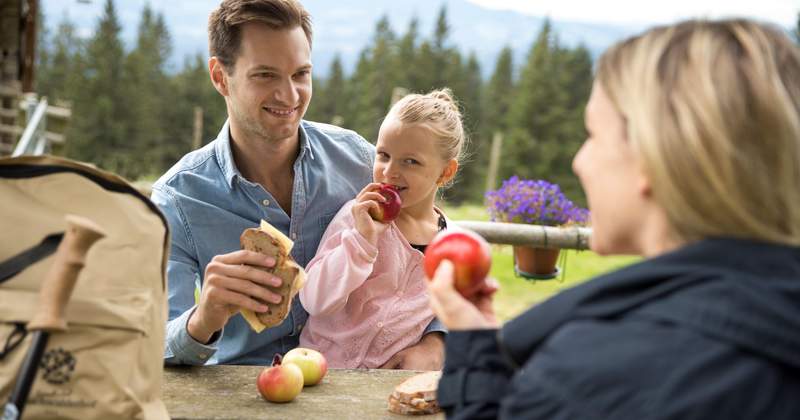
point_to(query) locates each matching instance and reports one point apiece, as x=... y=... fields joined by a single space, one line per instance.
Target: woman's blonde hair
x=713 y=113
x=438 y=112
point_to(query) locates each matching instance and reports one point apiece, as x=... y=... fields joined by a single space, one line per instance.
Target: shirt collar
x=305 y=143
x=225 y=155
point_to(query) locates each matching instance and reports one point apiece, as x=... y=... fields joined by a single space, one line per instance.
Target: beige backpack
x=109 y=362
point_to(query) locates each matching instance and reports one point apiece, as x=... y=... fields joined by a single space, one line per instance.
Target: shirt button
x=380 y=325
x=265 y=202
x=294 y=235
x=203 y=355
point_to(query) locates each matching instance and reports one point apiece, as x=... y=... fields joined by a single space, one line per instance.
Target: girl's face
x=611 y=176
x=407 y=157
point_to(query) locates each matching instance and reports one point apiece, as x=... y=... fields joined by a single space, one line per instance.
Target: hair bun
x=444 y=95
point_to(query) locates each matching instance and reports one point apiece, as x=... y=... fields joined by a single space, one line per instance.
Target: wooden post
x=28 y=55
x=197 y=131
x=397 y=94
x=494 y=160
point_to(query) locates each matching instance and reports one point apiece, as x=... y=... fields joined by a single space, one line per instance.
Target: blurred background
x=134 y=73
x=128 y=89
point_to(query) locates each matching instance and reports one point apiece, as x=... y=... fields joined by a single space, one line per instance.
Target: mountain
x=345 y=26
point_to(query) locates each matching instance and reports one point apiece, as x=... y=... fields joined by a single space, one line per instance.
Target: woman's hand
x=456 y=312
x=368 y=227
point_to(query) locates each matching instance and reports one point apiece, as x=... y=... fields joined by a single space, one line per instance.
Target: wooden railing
x=573 y=237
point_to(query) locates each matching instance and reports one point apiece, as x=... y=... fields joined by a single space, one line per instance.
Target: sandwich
x=416 y=395
x=270 y=241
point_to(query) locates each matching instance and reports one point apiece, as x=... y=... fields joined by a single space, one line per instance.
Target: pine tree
x=408 y=72
x=426 y=68
x=329 y=95
x=539 y=135
x=43 y=52
x=373 y=82
x=193 y=88
x=499 y=93
x=469 y=184
x=148 y=89
x=97 y=132
x=443 y=54
x=59 y=72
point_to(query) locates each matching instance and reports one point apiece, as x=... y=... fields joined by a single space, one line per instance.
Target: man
x=267 y=163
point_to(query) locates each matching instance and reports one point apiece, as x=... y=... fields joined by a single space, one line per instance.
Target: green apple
x=311 y=362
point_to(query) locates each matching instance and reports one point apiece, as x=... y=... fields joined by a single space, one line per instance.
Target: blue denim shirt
x=208 y=204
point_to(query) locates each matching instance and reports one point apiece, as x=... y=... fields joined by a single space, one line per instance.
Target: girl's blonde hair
x=437 y=111
x=713 y=113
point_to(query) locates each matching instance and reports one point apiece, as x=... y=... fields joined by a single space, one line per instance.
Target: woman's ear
x=643 y=183
x=448 y=173
x=218 y=75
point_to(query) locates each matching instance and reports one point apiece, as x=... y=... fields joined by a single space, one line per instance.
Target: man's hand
x=232 y=282
x=428 y=354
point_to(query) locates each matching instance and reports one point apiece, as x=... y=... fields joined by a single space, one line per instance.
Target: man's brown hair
x=224 y=24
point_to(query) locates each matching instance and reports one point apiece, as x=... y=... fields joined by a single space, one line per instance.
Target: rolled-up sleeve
x=183 y=278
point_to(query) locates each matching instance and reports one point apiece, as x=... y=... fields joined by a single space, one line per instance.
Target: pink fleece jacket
x=365 y=303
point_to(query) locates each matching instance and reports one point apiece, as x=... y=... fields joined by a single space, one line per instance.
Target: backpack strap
x=10 y=267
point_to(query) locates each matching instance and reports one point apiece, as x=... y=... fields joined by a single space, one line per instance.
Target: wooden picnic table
x=229 y=392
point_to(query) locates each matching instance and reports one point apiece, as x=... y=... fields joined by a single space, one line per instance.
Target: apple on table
x=281 y=382
x=311 y=362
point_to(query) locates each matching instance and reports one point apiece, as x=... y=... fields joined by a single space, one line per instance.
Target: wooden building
x=17 y=53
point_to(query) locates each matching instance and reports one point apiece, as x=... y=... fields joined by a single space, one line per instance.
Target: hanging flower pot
x=534 y=202
x=536 y=263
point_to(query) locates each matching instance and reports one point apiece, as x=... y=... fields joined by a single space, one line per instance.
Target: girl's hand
x=456 y=312
x=365 y=225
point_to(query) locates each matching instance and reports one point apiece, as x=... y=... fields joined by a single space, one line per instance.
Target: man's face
x=270 y=87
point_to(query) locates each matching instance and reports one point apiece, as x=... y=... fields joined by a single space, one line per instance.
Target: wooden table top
x=229 y=392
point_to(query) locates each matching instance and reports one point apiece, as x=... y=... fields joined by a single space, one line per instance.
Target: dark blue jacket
x=710 y=331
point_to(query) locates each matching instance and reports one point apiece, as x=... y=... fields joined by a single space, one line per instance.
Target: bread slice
x=270 y=241
x=416 y=395
x=398 y=407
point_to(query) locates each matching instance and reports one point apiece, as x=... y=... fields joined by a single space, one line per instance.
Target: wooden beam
x=9 y=91
x=10 y=129
x=58 y=112
x=534 y=235
x=8 y=113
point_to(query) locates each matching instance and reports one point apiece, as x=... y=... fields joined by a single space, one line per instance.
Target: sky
x=782 y=12
x=345 y=26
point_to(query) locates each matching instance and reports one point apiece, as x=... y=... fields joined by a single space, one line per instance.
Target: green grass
x=517 y=294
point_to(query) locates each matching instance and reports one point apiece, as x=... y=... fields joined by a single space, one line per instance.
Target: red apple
x=469 y=253
x=389 y=209
x=311 y=362
x=280 y=382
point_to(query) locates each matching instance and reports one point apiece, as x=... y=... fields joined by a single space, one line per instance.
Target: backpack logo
x=58 y=365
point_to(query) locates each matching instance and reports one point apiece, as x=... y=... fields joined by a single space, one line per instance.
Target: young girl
x=365 y=290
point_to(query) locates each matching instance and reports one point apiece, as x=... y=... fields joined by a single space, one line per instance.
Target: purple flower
x=534 y=202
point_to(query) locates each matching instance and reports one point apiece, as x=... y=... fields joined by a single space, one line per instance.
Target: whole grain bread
x=285 y=268
x=416 y=395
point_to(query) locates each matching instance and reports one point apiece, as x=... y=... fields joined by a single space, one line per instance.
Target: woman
x=692 y=161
